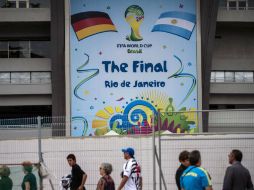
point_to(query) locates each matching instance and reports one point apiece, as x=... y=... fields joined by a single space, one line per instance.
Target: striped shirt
x=131 y=169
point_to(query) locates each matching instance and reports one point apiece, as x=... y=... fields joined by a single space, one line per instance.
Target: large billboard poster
x=129 y=60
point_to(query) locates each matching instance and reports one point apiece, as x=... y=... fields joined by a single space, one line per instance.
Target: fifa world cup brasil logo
x=134 y=15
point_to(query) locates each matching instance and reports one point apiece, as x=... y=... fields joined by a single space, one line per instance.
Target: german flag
x=89 y=23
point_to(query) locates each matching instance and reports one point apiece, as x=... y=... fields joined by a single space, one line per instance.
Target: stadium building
x=35 y=57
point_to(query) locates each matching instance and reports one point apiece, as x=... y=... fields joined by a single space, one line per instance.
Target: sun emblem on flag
x=178 y=23
x=174 y=21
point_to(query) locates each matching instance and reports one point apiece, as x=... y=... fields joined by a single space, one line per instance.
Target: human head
x=128 y=153
x=235 y=155
x=5 y=171
x=105 y=169
x=27 y=166
x=71 y=158
x=184 y=158
x=195 y=158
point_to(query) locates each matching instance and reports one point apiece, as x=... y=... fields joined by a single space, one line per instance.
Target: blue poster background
x=104 y=98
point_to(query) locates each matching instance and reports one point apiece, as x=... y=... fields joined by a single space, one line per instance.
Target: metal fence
x=92 y=151
x=214 y=150
x=157 y=143
x=133 y=124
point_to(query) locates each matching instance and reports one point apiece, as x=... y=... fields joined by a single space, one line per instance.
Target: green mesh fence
x=14 y=174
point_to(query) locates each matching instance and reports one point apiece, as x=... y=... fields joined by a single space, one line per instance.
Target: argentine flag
x=174 y=22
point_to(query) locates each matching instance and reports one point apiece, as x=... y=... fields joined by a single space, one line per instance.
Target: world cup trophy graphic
x=134 y=15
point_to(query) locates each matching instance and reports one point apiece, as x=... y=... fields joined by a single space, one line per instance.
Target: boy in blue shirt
x=195 y=177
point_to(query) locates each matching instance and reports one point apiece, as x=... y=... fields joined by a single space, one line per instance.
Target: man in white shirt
x=131 y=175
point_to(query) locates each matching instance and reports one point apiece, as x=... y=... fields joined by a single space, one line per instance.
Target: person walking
x=106 y=182
x=195 y=177
x=5 y=181
x=131 y=174
x=184 y=160
x=78 y=176
x=237 y=177
x=29 y=181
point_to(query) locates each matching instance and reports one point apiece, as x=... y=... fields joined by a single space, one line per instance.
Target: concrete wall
x=235 y=15
x=25 y=100
x=26 y=94
x=25 y=24
x=25 y=31
x=234 y=47
x=232 y=63
x=234 y=99
x=25 y=133
x=233 y=51
x=58 y=58
x=90 y=152
x=208 y=14
x=232 y=88
x=233 y=121
x=22 y=89
x=25 y=64
x=24 y=15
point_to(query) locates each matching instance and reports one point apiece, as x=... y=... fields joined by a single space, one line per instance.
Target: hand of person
x=80 y=188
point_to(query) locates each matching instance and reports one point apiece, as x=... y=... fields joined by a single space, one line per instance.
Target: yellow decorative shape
x=118 y=109
x=192 y=115
x=88 y=31
x=102 y=131
x=99 y=124
x=109 y=109
x=102 y=114
x=178 y=130
x=192 y=131
x=160 y=99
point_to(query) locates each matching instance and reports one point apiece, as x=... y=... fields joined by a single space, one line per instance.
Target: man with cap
x=131 y=175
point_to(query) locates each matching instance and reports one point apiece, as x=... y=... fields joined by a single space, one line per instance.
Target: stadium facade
x=35 y=60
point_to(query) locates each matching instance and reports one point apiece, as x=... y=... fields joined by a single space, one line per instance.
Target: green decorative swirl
x=179 y=74
x=82 y=70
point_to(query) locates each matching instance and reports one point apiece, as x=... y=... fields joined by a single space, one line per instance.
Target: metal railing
x=186 y=121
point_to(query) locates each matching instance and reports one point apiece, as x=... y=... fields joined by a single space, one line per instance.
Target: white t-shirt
x=131 y=169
